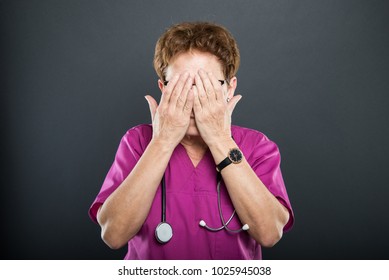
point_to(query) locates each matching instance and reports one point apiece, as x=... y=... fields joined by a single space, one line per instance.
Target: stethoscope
x=164 y=231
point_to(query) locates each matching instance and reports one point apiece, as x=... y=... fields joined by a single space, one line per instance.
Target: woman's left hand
x=211 y=109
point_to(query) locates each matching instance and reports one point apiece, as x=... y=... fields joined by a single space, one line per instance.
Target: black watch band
x=224 y=163
x=234 y=156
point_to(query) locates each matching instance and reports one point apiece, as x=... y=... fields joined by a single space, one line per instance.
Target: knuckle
x=166 y=91
x=175 y=93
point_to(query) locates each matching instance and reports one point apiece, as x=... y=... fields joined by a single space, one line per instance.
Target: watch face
x=235 y=156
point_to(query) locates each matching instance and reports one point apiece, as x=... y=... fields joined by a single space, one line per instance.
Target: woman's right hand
x=171 y=117
x=126 y=209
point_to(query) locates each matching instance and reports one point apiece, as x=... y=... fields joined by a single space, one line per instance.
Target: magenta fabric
x=191 y=196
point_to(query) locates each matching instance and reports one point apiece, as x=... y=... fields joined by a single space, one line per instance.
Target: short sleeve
x=131 y=148
x=264 y=157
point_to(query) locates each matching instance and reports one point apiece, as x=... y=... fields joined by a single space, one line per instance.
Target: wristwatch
x=234 y=156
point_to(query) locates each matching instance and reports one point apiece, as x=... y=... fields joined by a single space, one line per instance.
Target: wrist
x=234 y=156
x=163 y=145
x=219 y=141
x=220 y=148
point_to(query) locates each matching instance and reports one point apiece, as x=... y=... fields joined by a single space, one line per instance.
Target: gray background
x=314 y=78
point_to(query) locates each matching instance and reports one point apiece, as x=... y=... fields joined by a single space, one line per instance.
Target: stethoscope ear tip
x=202 y=223
x=245 y=227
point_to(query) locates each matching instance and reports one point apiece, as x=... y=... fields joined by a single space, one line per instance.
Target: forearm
x=253 y=202
x=125 y=210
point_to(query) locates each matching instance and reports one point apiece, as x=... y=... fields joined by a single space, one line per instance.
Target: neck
x=194 y=142
x=195 y=148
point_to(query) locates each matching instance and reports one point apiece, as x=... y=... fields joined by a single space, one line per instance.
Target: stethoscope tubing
x=225 y=224
x=164 y=231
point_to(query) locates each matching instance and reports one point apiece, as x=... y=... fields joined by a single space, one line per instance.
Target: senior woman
x=191 y=185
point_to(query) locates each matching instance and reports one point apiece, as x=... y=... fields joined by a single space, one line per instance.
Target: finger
x=152 y=105
x=167 y=91
x=189 y=103
x=232 y=103
x=208 y=87
x=178 y=88
x=201 y=95
x=196 y=102
x=181 y=101
x=217 y=87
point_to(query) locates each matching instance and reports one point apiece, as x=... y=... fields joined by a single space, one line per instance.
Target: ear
x=231 y=87
x=160 y=84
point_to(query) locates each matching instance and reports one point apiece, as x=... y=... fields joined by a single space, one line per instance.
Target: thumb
x=232 y=103
x=152 y=105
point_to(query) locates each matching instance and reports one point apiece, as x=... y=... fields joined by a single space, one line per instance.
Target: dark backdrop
x=314 y=78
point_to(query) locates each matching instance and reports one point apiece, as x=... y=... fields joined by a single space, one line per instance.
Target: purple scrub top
x=191 y=196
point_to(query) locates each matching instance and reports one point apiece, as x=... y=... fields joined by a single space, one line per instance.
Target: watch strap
x=224 y=163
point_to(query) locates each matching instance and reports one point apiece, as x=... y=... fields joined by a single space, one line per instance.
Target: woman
x=191 y=185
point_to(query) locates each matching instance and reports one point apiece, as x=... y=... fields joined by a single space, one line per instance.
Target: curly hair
x=201 y=36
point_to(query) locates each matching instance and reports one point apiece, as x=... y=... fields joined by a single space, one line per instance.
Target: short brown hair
x=202 y=36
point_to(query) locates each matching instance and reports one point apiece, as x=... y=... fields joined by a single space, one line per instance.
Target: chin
x=192 y=131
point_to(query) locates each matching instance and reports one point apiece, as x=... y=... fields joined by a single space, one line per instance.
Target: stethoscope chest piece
x=163 y=232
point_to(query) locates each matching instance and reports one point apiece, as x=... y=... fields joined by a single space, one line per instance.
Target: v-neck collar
x=188 y=162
